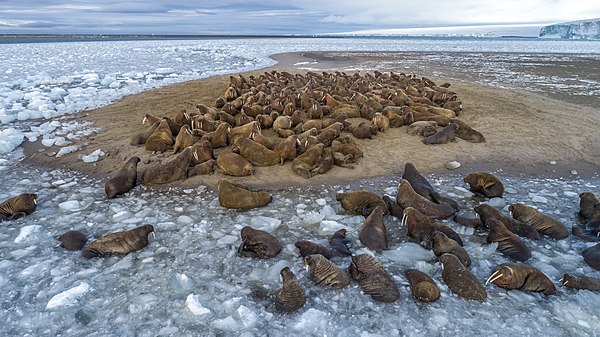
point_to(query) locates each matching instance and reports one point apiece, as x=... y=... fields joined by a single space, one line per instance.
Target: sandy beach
x=525 y=132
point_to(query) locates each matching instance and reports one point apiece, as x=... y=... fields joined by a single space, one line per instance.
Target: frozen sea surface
x=190 y=281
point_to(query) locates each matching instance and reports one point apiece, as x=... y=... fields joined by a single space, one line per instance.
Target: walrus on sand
x=119 y=243
x=287 y=149
x=523 y=277
x=373 y=279
x=141 y=137
x=16 y=207
x=465 y=132
x=508 y=243
x=485 y=184
x=373 y=233
x=422 y=286
x=407 y=197
x=460 y=280
x=185 y=138
x=239 y=197
x=541 y=222
x=308 y=164
x=257 y=154
x=161 y=139
x=234 y=165
x=291 y=295
x=442 y=136
x=170 y=171
x=257 y=243
x=124 y=180
x=325 y=273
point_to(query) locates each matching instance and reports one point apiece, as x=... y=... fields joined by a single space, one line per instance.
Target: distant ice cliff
x=579 y=30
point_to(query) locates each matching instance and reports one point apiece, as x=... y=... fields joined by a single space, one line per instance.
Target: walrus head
x=502 y=276
x=25 y=203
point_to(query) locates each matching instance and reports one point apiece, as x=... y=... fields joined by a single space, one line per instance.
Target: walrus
x=591 y=256
x=185 y=138
x=394 y=209
x=141 y=137
x=243 y=131
x=205 y=168
x=347 y=153
x=291 y=295
x=257 y=243
x=308 y=248
x=339 y=242
x=420 y=185
x=282 y=123
x=233 y=164
x=541 y=222
x=72 y=240
x=204 y=151
x=465 y=132
x=508 y=243
x=381 y=121
x=325 y=273
x=419 y=127
x=361 y=201
x=266 y=121
x=220 y=137
x=467 y=222
x=124 y=180
x=373 y=279
x=422 y=287
x=161 y=139
x=123 y=242
x=171 y=170
x=442 y=136
x=19 y=206
x=327 y=162
x=257 y=154
x=580 y=234
x=268 y=142
x=580 y=282
x=407 y=197
x=327 y=136
x=460 y=280
x=443 y=244
x=485 y=184
x=150 y=119
x=287 y=149
x=588 y=205
x=242 y=119
x=421 y=228
x=373 y=234
x=236 y=196
x=523 y=277
x=308 y=164
x=487 y=212
x=364 y=130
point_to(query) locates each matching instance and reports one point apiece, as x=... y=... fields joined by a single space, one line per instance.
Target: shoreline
x=520 y=128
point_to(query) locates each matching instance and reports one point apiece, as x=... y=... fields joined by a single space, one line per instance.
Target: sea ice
x=68 y=297
x=93 y=157
x=9 y=139
x=25 y=232
x=264 y=223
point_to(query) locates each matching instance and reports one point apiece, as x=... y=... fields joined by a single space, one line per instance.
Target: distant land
x=576 y=30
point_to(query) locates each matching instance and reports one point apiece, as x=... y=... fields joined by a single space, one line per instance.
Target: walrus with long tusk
x=508 y=243
x=291 y=295
x=124 y=180
x=19 y=206
x=373 y=234
x=373 y=279
x=407 y=197
x=257 y=243
x=541 y=222
x=123 y=242
x=580 y=282
x=325 y=273
x=422 y=286
x=523 y=277
x=236 y=196
x=485 y=184
x=460 y=280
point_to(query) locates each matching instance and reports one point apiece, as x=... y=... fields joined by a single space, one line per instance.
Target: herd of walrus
x=303 y=117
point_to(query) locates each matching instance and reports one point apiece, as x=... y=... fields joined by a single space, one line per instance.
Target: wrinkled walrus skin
x=118 y=243
x=291 y=295
x=325 y=273
x=420 y=184
x=442 y=136
x=373 y=279
x=361 y=201
x=308 y=248
x=16 y=207
x=233 y=164
x=485 y=184
x=487 y=212
x=72 y=240
x=588 y=205
x=258 y=244
x=443 y=244
x=460 y=280
x=581 y=282
x=523 y=277
x=124 y=180
x=422 y=227
x=508 y=243
x=407 y=197
x=172 y=170
x=541 y=222
x=422 y=286
x=236 y=196
x=373 y=234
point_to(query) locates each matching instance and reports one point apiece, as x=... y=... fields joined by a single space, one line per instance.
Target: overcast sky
x=278 y=17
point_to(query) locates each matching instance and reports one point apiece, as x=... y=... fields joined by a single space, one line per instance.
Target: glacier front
x=578 y=30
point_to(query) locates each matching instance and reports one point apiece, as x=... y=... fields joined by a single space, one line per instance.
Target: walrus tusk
x=306 y=266
x=144 y=120
x=35 y=201
x=153 y=234
x=564 y=284
x=494 y=277
x=187 y=116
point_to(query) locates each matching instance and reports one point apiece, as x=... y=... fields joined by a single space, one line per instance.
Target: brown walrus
x=243 y=131
x=141 y=137
x=239 y=197
x=523 y=277
x=291 y=295
x=308 y=248
x=419 y=127
x=325 y=273
x=161 y=139
x=119 y=243
x=361 y=201
x=72 y=240
x=170 y=171
x=16 y=207
x=487 y=212
x=257 y=243
x=220 y=137
x=373 y=234
x=591 y=256
x=421 y=228
x=420 y=184
x=186 y=137
x=393 y=207
x=485 y=184
x=381 y=121
x=541 y=222
x=257 y=154
x=443 y=244
x=580 y=233
x=308 y=164
x=442 y=136
x=407 y=197
x=460 y=280
x=373 y=279
x=207 y=167
x=422 y=286
x=465 y=132
x=467 y=222
x=339 y=242
x=234 y=165
x=588 y=205
x=204 y=151
x=287 y=149
x=580 y=282
x=124 y=180
x=508 y=243
x=364 y=130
